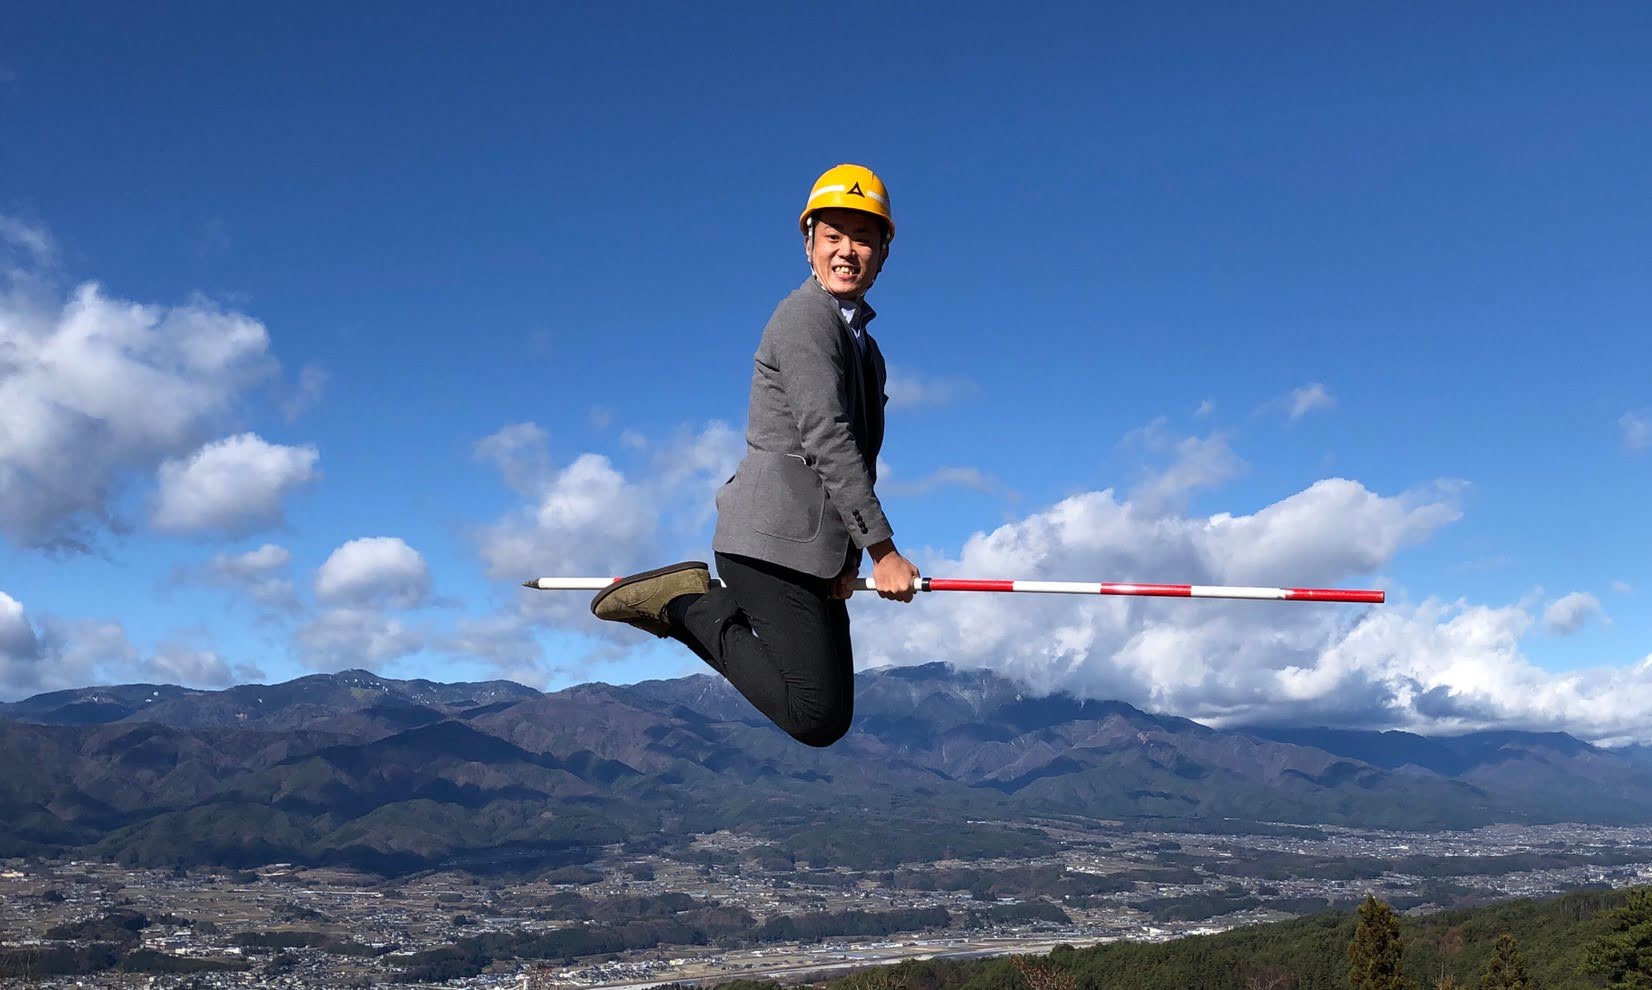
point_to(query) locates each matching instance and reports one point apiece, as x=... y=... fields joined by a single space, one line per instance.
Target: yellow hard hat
x=850 y=187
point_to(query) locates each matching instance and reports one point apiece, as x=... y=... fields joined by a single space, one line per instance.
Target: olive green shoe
x=641 y=598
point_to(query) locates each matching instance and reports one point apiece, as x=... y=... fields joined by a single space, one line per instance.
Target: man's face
x=847 y=252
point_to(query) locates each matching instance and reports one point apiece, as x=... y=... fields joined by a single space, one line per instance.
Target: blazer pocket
x=788 y=500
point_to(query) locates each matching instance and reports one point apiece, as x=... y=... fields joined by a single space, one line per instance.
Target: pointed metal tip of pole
x=531 y=584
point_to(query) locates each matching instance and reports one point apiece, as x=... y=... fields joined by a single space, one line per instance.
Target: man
x=794 y=520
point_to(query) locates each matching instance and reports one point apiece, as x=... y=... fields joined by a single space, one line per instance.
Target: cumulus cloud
x=1567 y=614
x=342 y=638
x=1637 y=429
x=908 y=391
x=1458 y=667
x=96 y=390
x=232 y=486
x=374 y=571
x=1308 y=398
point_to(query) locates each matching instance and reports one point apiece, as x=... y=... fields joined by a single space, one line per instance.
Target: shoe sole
x=686 y=565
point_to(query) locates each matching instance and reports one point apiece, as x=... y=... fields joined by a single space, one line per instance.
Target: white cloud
x=1206 y=407
x=234 y=486
x=1334 y=528
x=95 y=391
x=907 y=391
x=1622 y=588
x=260 y=574
x=1637 y=429
x=1567 y=614
x=375 y=570
x=1308 y=398
x=1454 y=668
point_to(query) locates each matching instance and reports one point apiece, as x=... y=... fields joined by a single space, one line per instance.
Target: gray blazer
x=802 y=497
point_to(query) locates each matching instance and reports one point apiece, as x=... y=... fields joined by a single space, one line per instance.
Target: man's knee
x=824 y=730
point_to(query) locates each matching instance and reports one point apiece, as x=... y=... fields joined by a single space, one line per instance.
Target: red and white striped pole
x=1055 y=588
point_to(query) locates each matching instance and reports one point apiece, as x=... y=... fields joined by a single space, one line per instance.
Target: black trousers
x=781 y=641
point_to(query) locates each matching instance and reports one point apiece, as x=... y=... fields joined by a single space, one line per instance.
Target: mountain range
x=395 y=775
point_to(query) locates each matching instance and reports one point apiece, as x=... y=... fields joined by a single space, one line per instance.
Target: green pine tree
x=1506 y=970
x=1624 y=954
x=1374 y=954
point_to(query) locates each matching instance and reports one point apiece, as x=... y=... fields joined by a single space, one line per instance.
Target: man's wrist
x=882 y=547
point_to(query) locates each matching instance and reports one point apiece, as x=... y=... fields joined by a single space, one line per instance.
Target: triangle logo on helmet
x=854 y=190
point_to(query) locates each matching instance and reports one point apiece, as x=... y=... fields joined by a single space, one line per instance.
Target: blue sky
x=439 y=300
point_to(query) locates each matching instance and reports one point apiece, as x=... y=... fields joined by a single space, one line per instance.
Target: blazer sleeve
x=810 y=363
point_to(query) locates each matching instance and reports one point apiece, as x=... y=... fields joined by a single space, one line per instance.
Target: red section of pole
x=1335 y=595
x=1149 y=590
x=966 y=584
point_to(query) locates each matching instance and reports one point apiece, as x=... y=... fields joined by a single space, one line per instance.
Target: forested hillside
x=1556 y=938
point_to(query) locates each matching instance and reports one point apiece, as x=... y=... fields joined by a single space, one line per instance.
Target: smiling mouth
x=844 y=271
